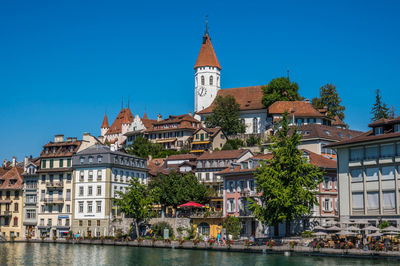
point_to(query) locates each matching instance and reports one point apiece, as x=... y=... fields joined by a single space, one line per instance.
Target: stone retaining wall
x=298 y=250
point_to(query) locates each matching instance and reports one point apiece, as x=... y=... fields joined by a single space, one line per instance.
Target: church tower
x=207 y=75
x=104 y=126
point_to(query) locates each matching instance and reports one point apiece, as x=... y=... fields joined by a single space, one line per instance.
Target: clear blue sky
x=63 y=63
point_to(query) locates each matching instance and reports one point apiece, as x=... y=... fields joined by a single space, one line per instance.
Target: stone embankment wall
x=175 y=223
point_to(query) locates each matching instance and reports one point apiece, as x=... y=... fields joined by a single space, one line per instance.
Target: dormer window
x=378 y=130
x=90 y=159
x=327 y=132
x=397 y=128
x=307 y=132
x=82 y=160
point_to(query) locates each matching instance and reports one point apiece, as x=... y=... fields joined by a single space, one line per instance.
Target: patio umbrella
x=375 y=234
x=391 y=228
x=346 y=222
x=320 y=234
x=391 y=233
x=333 y=228
x=318 y=227
x=352 y=228
x=360 y=222
x=370 y=228
x=191 y=204
x=331 y=223
x=345 y=233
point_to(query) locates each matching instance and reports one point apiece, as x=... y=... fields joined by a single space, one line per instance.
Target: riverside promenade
x=236 y=247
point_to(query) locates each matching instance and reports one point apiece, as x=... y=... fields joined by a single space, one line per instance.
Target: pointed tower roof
x=125 y=116
x=105 y=122
x=145 y=115
x=207 y=55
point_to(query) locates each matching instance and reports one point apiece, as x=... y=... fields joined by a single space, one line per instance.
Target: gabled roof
x=125 y=116
x=320 y=160
x=12 y=179
x=105 y=122
x=299 y=108
x=188 y=156
x=223 y=154
x=338 y=122
x=249 y=98
x=317 y=131
x=62 y=149
x=207 y=55
x=385 y=121
x=211 y=131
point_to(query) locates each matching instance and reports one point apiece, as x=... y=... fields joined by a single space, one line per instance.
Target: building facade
x=368 y=172
x=99 y=173
x=205 y=139
x=11 y=203
x=30 y=210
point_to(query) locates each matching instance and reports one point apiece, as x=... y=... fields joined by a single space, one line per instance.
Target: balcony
x=206 y=214
x=5 y=213
x=53 y=200
x=54 y=185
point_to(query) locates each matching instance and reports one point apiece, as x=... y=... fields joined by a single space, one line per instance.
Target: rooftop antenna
x=206 y=24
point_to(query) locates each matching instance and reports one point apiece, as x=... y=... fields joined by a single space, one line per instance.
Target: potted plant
x=43 y=238
x=181 y=241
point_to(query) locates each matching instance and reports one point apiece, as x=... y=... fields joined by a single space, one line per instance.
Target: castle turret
x=104 y=126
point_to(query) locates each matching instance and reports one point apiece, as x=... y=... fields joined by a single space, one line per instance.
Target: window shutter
x=330 y=205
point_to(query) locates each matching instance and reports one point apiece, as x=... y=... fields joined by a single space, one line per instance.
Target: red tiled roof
x=314 y=131
x=299 y=108
x=267 y=156
x=155 y=165
x=223 y=154
x=188 y=156
x=384 y=121
x=365 y=137
x=125 y=116
x=105 y=122
x=338 y=122
x=249 y=98
x=321 y=161
x=12 y=175
x=181 y=121
x=211 y=131
x=207 y=55
x=62 y=149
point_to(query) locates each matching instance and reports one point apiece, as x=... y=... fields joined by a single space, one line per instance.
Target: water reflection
x=82 y=255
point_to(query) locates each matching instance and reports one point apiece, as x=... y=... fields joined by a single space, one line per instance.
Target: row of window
x=375 y=151
x=89 y=223
x=58 y=208
x=240 y=205
x=51 y=178
x=51 y=193
x=209 y=164
x=211 y=80
x=59 y=222
x=61 y=163
x=89 y=207
x=380 y=131
x=7 y=207
x=372 y=173
x=373 y=200
x=240 y=186
x=167 y=135
x=8 y=194
x=90 y=191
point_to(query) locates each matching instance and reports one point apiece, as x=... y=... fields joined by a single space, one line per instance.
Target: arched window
x=15 y=221
x=202 y=80
x=204 y=228
x=255 y=125
x=211 y=80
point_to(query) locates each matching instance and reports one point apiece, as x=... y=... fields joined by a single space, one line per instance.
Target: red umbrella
x=191 y=204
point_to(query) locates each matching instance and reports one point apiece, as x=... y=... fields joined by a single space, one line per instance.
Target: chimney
x=5 y=163
x=190 y=113
x=307 y=100
x=150 y=157
x=74 y=139
x=14 y=161
x=26 y=161
x=69 y=139
x=58 y=138
x=159 y=117
x=86 y=136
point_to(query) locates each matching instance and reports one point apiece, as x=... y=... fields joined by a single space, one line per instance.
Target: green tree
x=329 y=98
x=280 y=89
x=142 y=147
x=380 y=109
x=175 y=189
x=136 y=202
x=288 y=182
x=392 y=112
x=233 y=144
x=225 y=114
x=232 y=225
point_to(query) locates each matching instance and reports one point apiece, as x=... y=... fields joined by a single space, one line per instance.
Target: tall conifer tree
x=380 y=109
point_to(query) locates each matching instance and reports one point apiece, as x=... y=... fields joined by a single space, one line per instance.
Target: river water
x=82 y=255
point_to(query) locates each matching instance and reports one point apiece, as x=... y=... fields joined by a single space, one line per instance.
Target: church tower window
x=202 y=80
x=211 y=80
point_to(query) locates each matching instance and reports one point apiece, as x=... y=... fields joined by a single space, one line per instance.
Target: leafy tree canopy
x=232 y=225
x=142 y=147
x=136 y=202
x=380 y=109
x=225 y=114
x=288 y=182
x=280 y=89
x=233 y=144
x=329 y=98
x=175 y=189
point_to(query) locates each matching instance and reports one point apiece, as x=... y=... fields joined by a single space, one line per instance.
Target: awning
x=166 y=140
x=196 y=151
x=201 y=142
x=63 y=216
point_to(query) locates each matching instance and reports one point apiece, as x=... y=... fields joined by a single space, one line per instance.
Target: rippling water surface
x=65 y=254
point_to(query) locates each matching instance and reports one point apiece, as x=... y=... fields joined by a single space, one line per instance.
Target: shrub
x=233 y=144
x=196 y=242
x=54 y=238
x=158 y=229
x=232 y=225
x=307 y=234
x=191 y=232
x=253 y=141
x=211 y=242
x=181 y=241
x=383 y=225
x=43 y=238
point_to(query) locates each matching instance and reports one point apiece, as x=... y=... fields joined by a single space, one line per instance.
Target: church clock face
x=202 y=91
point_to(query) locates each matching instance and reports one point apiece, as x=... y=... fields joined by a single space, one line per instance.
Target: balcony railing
x=206 y=215
x=5 y=213
x=54 y=185
x=53 y=200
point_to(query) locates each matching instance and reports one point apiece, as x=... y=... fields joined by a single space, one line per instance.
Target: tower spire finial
x=206 y=24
